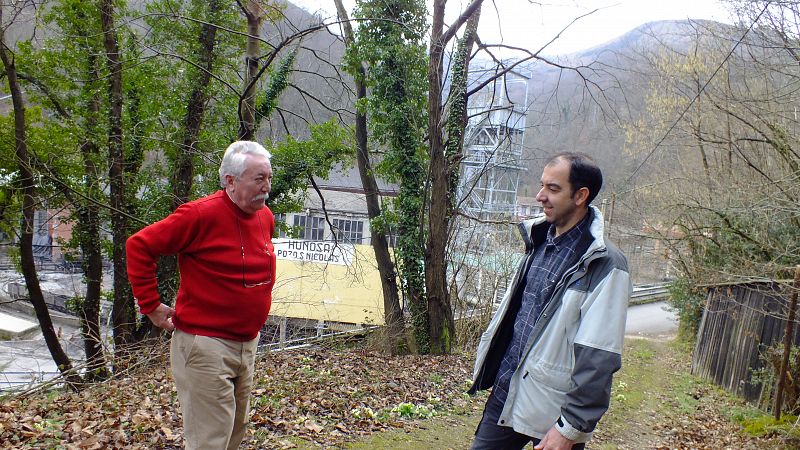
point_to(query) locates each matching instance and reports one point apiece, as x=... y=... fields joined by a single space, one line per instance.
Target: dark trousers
x=491 y=436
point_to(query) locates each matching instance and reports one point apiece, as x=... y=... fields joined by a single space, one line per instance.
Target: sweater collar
x=226 y=198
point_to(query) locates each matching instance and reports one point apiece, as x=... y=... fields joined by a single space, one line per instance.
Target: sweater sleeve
x=169 y=236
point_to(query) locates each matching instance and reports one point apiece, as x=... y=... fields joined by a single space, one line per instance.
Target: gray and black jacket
x=565 y=374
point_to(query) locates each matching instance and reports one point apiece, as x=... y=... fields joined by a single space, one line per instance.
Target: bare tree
x=392 y=312
x=28 y=191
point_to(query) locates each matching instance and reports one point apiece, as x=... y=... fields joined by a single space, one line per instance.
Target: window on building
x=40 y=220
x=311 y=228
x=280 y=225
x=348 y=230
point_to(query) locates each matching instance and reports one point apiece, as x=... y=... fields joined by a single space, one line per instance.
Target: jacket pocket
x=556 y=377
x=539 y=399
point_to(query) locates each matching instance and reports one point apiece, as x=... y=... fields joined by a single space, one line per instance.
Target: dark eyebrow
x=552 y=185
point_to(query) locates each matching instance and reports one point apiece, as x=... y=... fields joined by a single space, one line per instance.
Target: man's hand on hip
x=554 y=440
x=162 y=317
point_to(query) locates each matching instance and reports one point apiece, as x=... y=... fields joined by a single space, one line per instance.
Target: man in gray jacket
x=554 y=343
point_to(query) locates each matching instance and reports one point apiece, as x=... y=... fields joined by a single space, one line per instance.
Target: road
x=651 y=320
x=26 y=360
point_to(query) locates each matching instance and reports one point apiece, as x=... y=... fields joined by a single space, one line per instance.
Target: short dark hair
x=583 y=172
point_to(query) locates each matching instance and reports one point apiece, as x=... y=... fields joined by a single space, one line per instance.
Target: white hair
x=235 y=158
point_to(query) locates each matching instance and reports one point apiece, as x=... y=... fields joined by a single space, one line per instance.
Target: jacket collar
x=534 y=231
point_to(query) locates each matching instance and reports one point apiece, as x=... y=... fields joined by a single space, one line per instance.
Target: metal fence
x=649 y=293
x=55 y=302
x=739 y=323
x=50 y=257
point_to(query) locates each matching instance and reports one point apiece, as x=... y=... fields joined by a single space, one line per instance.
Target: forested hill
x=583 y=102
x=586 y=104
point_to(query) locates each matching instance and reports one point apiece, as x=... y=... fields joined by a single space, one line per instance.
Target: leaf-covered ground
x=326 y=398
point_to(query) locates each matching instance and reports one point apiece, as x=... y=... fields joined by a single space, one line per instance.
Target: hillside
x=585 y=109
x=580 y=106
x=353 y=398
x=582 y=109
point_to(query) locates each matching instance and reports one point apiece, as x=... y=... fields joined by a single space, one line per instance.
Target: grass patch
x=631 y=390
x=757 y=423
x=453 y=431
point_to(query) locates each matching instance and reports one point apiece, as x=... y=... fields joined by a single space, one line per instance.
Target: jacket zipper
x=561 y=284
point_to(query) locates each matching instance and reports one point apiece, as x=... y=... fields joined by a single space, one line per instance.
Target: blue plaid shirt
x=550 y=261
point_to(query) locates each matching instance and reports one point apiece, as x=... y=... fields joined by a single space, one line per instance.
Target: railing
x=649 y=293
x=482 y=155
x=58 y=302
x=21 y=380
x=16 y=380
x=641 y=294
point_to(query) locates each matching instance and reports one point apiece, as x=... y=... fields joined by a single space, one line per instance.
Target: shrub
x=687 y=300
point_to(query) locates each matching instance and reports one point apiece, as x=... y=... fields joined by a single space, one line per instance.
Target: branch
x=461 y=20
x=196 y=66
x=201 y=22
x=496 y=222
x=48 y=93
x=324 y=209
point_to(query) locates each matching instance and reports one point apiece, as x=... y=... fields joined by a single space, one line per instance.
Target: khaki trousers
x=214 y=378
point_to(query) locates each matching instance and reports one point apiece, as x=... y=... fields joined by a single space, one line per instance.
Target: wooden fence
x=739 y=323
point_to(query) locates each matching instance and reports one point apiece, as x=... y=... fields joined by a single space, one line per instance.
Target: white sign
x=324 y=252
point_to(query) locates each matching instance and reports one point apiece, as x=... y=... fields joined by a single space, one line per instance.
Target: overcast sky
x=529 y=24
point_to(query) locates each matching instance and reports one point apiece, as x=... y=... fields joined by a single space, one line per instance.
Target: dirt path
x=657 y=404
x=641 y=390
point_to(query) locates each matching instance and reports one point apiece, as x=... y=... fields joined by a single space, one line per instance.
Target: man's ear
x=229 y=180
x=581 y=196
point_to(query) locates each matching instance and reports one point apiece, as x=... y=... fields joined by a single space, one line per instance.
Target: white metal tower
x=492 y=164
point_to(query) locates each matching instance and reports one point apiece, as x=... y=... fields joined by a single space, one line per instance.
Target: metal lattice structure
x=483 y=247
x=491 y=167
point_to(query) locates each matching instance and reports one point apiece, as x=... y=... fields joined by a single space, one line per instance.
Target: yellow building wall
x=348 y=291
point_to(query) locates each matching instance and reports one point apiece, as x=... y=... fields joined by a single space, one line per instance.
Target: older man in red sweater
x=227 y=268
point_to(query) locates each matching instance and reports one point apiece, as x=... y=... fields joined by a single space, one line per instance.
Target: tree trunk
x=788 y=337
x=28 y=207
x=440 y=329
x=195 y=110
x=134 y=158
x=442 y=325
x=90 y=242
x=123 y=310
x=247 y=107
x=183 y=170
x=392 y=312
x=699 y=132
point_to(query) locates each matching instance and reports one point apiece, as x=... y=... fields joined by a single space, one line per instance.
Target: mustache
x=261 y=197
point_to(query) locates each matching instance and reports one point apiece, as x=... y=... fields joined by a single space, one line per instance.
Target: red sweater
x=219 y=248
